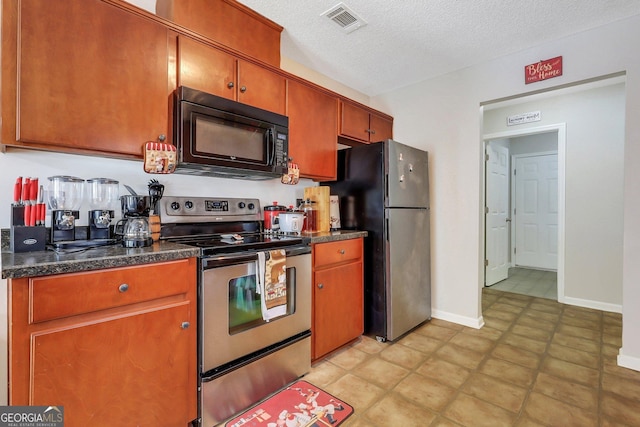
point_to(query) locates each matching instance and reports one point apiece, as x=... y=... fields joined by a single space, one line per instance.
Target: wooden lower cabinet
x=129 y=362
x=338 y=295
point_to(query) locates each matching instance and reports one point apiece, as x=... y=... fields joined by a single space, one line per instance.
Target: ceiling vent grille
x=345 y=18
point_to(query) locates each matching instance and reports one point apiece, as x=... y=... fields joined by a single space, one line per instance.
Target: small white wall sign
x=519 y=119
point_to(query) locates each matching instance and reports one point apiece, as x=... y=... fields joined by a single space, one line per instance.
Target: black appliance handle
x=271 y=146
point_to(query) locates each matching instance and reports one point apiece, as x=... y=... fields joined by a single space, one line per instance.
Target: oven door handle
x=227 y=259
x=239 y=258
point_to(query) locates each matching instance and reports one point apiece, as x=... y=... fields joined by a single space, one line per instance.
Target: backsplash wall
x=41 y=164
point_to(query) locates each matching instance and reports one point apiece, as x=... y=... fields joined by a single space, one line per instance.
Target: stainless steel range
x=242 y=357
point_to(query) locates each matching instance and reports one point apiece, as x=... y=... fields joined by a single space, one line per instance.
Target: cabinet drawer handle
x=123 y=288
x=320 y=286
x=185 y=325
x=230 y=85
x=342 y=252
x=243 y=89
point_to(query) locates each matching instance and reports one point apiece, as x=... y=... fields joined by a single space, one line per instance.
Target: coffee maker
x=65 y=198
x=102 y=198
x=135 y=231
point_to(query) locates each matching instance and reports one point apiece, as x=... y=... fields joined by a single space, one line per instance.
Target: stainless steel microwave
x=219 y=137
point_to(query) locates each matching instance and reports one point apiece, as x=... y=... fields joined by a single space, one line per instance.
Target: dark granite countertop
x=43 y=263
x=332 y=236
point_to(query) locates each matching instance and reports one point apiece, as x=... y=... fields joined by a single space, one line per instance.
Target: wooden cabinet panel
x=117 y=364
x=65 y=295
x=96 y=80
x=313 y=131
x=207 y=69
x=338 y=302
x=354 y=122
x=229 y=23
x=337 y=252
x=211 y=70
x=131 y=370
x=381 y=128
x=363 y=125
x=338 y=295
x=261 y=87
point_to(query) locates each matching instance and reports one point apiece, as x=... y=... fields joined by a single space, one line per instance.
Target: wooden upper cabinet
x=312 y=131
x=363 y=125
x=381 y=128
x=261 y=87
x=95 y=81
x=229 y=23
x=207 y=69
x=211 y=70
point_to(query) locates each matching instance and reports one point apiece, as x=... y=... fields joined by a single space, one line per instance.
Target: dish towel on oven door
x=271 y=276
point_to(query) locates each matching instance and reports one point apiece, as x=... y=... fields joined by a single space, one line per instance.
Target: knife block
x=23 y=238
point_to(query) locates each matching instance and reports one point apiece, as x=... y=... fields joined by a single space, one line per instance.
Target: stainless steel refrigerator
x=384 y=189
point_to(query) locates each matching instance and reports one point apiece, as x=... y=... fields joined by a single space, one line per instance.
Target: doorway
x=525 y=213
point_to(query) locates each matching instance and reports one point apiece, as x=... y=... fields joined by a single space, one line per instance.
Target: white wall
x=442 y=116
x=538 y=143
x=594 y=161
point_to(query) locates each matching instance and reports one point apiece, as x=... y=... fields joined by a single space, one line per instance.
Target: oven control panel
x=208 y=209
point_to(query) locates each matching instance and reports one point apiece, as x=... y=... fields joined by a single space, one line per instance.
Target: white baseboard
x=604 y=306
x=471 y=322
x=630 y=362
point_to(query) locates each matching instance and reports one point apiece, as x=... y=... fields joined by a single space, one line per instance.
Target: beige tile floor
x=535 y=363
x=527 y=281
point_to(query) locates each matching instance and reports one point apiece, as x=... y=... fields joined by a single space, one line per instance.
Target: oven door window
x=245 y=310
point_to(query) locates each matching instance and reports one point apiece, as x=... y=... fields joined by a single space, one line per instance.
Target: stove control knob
x=175 y=206
x=241 y=205
x=188 y=204
x=251 y=206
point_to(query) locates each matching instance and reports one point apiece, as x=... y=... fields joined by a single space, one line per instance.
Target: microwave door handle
x=271 y=142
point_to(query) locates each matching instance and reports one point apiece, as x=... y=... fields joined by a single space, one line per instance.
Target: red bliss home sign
x=543 y=70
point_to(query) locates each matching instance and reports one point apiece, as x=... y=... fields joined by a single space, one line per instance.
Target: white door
x=497 y=225
x=536 y=212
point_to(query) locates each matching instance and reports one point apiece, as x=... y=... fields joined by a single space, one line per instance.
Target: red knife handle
x=17 y=191
x=25 y=190
x=42 y=212
x=33 y=189
x=27 y=214
x=33 y=215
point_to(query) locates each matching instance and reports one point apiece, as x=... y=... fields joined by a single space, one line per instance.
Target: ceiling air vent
x=345 y=17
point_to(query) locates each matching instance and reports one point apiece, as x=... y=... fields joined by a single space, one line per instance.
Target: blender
x=65 y=198
x=102 y=198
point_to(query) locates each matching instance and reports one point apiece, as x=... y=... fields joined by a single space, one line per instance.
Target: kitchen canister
x=334 y=212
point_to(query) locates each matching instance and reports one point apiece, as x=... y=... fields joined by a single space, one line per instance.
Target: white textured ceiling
x=407 y=41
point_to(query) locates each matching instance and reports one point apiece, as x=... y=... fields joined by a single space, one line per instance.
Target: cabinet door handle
x=230 y=85
x=162 y=137
x=342 y=251
x=320 y=286
x=243 y=89
x=123 y=288
x=372 y=131
x=185 y=325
